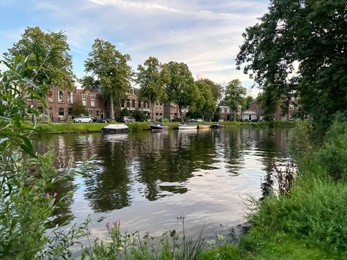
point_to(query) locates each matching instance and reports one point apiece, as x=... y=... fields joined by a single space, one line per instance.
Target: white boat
x=114 y=129
x=184 y=126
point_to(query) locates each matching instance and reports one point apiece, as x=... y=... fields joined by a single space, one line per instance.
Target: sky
x=204 y=34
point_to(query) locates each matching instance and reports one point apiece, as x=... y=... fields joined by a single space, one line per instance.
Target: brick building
x=60 y=105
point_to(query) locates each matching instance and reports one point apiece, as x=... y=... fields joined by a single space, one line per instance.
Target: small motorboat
x=114 y=129
x=203 y=127
x=184 y=126
x=158 y=126
x=217 y=125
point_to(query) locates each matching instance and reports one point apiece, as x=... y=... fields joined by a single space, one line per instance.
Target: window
x=70 y=112
x=92 y=100
x=90 y=112
x=61 y=114
x=50 y=96
x=69 y=97
x=97 y=113
x=61 y=96
x=84 y=99
x=128 y=103
x=133 y=103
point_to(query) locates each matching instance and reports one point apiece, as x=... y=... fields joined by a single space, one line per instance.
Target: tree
x=299 y=47
x=210 y=92
x=49 y=52
x=234 y=95
x=151 y=77
x=90 y=83
x=79 y=109
x=181 y=88
x=111 y=72
x=247 y=102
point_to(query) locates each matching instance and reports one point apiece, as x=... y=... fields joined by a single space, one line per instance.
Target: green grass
x=310 y=221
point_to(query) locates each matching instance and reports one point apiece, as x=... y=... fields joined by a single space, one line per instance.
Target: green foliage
x=234 y=95
x=313 y=212
x=26 y=198
x=224 y=252
x=49 y=53
x=181 y=88
x=139 y=115
x=151 y=77
x=298 y=47
x=300 y=146
x=333 y=154
x=79 y=109
x=110 y=70
x=210 y=93
x=132 y=246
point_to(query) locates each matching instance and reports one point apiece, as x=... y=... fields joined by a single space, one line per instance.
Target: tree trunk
x=112 y=108
x=180 y=110
x=152 y=107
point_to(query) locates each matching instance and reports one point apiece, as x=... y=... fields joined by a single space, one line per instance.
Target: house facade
x=60 y=104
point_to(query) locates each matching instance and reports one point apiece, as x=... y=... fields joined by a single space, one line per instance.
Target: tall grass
x=313 y=213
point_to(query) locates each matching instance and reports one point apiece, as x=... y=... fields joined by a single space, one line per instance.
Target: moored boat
x=114 y=129
x=184 y=126
x=217 y=125
x=203 y=126
x=158 y=126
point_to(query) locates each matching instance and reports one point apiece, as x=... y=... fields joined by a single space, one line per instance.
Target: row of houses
x=61 y=104
x=254 y=112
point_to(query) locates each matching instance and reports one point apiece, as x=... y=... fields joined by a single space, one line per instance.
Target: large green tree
x=211 y=93
x=151 y=77
x=49 y=53
x=299 y=47
x=181 y=88
x=110 y=69
x=234 y=95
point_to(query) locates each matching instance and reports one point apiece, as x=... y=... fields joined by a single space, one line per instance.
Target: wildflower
x=220 y=237
x=211 y=242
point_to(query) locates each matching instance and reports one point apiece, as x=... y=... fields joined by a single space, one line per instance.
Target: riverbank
x=309 y=220
x=69 y=127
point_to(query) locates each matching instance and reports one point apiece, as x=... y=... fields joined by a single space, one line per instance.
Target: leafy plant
x=26 y=197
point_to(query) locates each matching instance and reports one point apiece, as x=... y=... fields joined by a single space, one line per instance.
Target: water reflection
x=153 y=167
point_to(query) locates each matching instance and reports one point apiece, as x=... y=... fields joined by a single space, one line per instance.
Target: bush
x=333 y=154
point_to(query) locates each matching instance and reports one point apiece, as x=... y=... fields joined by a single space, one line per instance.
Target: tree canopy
x=234 y=95
x=151 y=77
x=110 y=70
x=210 y=94
x=300 y=47
x=181 y=88
x=49 y=52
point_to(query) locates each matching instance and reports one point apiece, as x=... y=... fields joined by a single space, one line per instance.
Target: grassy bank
x=309 y=221
x=137 y=126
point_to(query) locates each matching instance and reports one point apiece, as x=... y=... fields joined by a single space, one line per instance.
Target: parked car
x=83 y=119
x=128 y=119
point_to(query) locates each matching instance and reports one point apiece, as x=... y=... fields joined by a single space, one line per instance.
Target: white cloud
x=204 y=34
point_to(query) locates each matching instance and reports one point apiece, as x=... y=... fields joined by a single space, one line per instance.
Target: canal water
x=149 y=181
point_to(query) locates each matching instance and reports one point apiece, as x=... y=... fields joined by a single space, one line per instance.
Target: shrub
x=333 y=154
